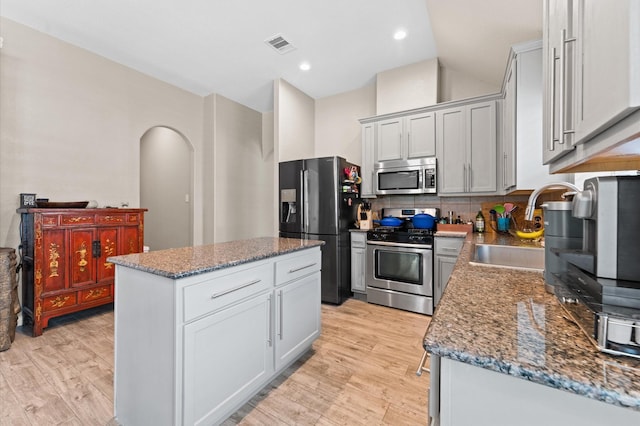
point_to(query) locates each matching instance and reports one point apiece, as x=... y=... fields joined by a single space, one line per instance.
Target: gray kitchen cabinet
x=406 y=137
x=243 y=331
x=446 y=251
x=358 y=262
x=592 y=84
x=467 y=149
x=608 y=64
x=297 y=322
x=559 y=80
x=509 y=128
x=522 y=168
x=192 y=350
x=367 y=188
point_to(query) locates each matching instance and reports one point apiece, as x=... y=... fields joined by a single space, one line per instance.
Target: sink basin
x=515 y=257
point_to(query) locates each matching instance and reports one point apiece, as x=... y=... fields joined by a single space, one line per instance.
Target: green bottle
x=479 y=222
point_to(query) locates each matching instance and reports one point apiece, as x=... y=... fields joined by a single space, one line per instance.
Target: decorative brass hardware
x=53 y=260
x=59 y=301
x=83 y=255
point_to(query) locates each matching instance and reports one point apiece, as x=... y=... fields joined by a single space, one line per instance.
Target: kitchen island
x=504 y=352
x=200 y=330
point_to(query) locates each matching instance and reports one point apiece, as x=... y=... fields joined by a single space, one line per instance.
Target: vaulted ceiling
x=206 y=46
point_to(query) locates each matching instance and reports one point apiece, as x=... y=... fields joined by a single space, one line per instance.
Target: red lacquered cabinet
x=64 y=258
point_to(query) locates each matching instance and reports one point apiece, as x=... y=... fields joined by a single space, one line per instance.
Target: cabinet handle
x=448 y=249
x=231 y=290
x=281 y=315
x=269 y=340
x=504 y=170
x=96 y=250
x=552 y=96
x=563 y=64
x=470 y=178
x=464 y=177
x=291 y=271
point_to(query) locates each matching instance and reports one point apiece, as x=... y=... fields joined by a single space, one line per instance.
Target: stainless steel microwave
x=416 y=176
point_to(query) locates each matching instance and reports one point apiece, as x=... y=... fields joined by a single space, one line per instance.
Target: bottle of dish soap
x=479 y=222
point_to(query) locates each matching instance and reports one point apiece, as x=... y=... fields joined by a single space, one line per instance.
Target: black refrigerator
x=318 y=201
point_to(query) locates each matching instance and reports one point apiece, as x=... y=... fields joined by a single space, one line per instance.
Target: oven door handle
x=407 y=245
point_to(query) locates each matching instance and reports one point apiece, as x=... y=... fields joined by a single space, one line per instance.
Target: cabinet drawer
x=298 y=266
x=79 y=219
x=359 y=239
x=448 y=246
x=59 y=301
x=112 y=218
x=208 y=296
x=95 y=293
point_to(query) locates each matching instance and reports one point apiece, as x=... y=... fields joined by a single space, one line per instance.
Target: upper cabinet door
x=608 y=44
x=389 y=140
x=368 y=158
x=558 y=63
x=421 y=135
x=481 y=147
x=451 y=136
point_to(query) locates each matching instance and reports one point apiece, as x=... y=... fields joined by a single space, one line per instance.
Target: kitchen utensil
x=423 y=221
x=391 y=221
x=508 y=207
x=499 y=209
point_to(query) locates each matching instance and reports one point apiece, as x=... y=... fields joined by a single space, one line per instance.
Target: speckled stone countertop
x=503 y=320
x=187 y=261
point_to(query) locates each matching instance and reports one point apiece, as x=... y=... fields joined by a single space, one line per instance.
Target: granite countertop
x=503 y=320
x=187 y=261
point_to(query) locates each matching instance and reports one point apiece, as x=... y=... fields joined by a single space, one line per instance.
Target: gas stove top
x=401 y=235
x=405 y=233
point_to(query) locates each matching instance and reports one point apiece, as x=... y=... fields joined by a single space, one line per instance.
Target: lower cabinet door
x=228 y=356
x=358 y=269
x=444 y=268
x=297 y=318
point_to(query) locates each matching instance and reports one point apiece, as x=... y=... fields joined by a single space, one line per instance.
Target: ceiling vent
x=279 y=43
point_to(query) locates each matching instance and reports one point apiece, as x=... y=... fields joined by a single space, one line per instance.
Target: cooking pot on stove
x=390 y=221
x=423 y=221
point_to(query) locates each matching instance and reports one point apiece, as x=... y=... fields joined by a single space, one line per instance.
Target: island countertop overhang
x=189 y=261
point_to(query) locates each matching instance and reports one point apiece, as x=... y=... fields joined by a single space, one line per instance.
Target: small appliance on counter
x=561 y=231
x=600 y=287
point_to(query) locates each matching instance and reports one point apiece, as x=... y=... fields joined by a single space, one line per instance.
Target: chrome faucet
x=531 y=204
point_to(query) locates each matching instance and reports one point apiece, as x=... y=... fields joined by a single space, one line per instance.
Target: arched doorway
x=166 y=176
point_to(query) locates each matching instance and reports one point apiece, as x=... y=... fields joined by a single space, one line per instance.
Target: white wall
x=337 y=130
x=243 y=188
x=71 y=123
x=408 y=87
x=294 y=115
x=455 y=85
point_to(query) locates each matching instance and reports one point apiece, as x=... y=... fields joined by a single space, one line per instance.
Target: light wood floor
x=361 y=371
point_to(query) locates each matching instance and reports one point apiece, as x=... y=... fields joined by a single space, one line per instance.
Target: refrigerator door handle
x=305 y=200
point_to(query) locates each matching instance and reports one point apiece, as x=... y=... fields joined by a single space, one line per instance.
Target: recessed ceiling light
x=305 y=66
x=400 y=34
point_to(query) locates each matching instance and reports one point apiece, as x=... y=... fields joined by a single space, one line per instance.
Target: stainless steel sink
x=515 y=257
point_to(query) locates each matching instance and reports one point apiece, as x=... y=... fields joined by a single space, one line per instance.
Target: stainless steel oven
x=399 y=263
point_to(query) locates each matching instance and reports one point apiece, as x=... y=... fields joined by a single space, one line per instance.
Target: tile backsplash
x=465 y=207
